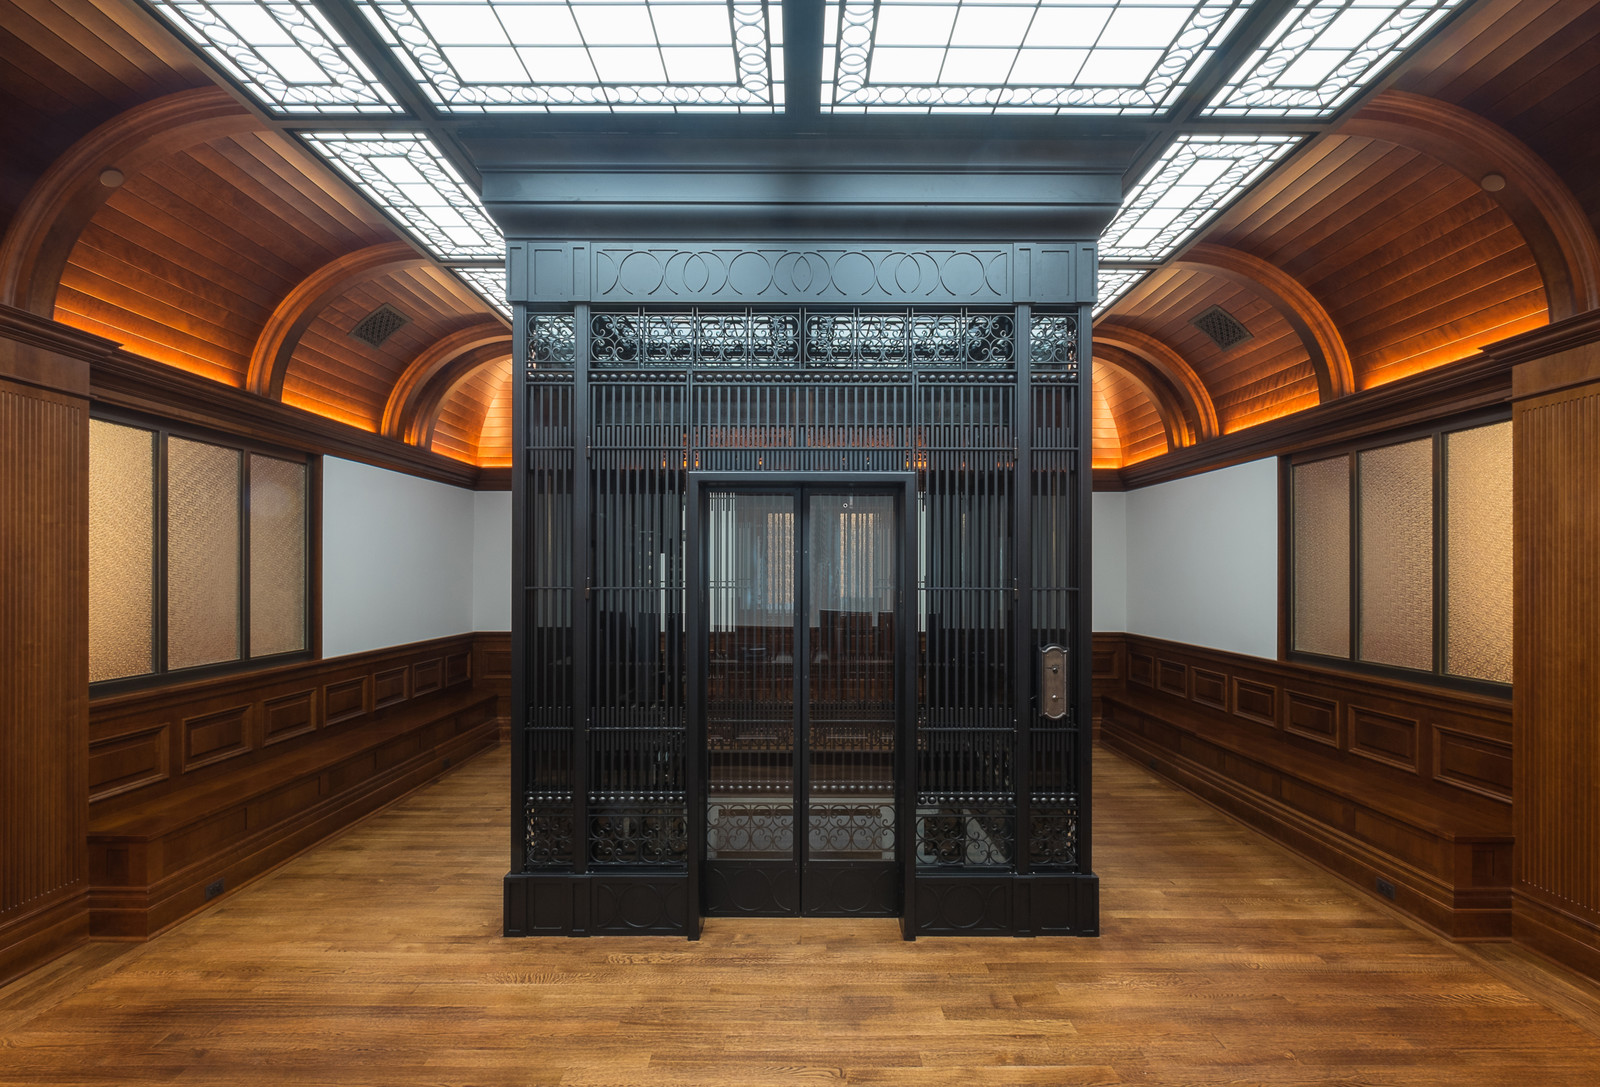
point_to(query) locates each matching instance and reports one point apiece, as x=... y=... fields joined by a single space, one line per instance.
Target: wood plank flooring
x=375 y=959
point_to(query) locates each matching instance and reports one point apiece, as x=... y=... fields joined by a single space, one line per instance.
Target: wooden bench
x=155 y=859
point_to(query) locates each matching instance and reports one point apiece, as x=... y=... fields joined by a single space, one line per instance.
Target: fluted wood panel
x=1557 y=669
x=43 y=656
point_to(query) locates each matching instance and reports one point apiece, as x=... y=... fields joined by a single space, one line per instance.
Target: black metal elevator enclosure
x=801 y=530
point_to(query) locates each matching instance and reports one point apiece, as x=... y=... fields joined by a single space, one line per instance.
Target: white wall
x=397 y=558
x=491 y=560
x=1202 y=559
x=1110 y=561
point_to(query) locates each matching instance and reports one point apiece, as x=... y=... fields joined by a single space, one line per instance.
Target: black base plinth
x=599 y=904
x=967 y=904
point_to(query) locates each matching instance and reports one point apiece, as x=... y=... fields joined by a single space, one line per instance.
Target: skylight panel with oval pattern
x=1322 y=54
x=1130 y=57
x=1195 y=178
x=406 y=175
x=1112 y=283
x=490 y=285
x=284 y=53
x=479 y=56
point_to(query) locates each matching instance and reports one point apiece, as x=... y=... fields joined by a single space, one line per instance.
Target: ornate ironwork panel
x=636 y=652
x=966 y=716
x=806 y=652
x=800 y=339
x=1058 y=456
x=547 y=620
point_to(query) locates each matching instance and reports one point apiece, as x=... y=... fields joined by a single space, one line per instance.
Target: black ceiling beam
x=381 y=60
x=802 y=58
x=1259 y=21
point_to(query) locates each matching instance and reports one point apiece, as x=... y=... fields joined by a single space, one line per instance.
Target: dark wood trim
x=1108 y=479
x=44 y=653
x=127 y=381
x=37 y=351
x=493 y=479
x=48 y=354
x=1483 y=381
x=1552 y=339
x=1373 y=779
x=1557 y=890
x=224 y=778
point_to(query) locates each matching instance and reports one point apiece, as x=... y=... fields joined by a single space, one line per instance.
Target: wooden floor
x=375 y=959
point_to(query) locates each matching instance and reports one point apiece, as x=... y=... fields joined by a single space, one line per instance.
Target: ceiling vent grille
x=1223 y=327
x=379 y=325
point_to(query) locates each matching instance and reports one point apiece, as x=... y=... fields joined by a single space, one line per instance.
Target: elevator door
x=803 y=594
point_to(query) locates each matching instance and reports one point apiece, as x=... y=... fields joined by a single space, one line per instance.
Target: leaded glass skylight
x=1194 y=179
x=283 y=53
x=406 y=175
x=476 y=56
x=1131 y=57
x=490 y=284
x=1112 y=283
x=1321 y=55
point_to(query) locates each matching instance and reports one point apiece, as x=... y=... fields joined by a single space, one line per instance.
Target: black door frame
x=902 y=486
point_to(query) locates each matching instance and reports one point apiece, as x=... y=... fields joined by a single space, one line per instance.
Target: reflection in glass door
x=800 y=703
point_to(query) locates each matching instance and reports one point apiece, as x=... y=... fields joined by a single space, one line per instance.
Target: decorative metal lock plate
x=1053 y=682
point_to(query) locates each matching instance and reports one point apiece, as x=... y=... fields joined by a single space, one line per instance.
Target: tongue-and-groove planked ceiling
x=147 y=200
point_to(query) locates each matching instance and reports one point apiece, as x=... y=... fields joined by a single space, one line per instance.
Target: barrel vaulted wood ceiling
x=1375 y=225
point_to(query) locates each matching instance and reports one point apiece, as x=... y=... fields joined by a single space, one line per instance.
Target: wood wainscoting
x=1557 y=473
x=197 y=788
x=44 y=656
x=1402 y=789
x=491 y=671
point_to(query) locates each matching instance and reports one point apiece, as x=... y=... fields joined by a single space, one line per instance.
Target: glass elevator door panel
x=800 y=703
x=751 y=802
x=849 y=708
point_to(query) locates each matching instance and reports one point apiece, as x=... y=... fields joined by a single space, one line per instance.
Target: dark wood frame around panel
x=1436 y=431
x=162 y=675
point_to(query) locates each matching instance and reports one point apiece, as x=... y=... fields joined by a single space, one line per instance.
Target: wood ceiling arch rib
x=1158 y=392
x=1174 y=367
x=399 y=414
x=1310 y=321
x=1543 y=208
x=269 y=360
x=36 y=248
x=422 y=416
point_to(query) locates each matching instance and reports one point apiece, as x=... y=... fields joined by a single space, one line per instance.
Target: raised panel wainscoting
x=1402 y=789
x=197 y=788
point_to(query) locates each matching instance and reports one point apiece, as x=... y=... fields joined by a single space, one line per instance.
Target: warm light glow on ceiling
x=1194 y=179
